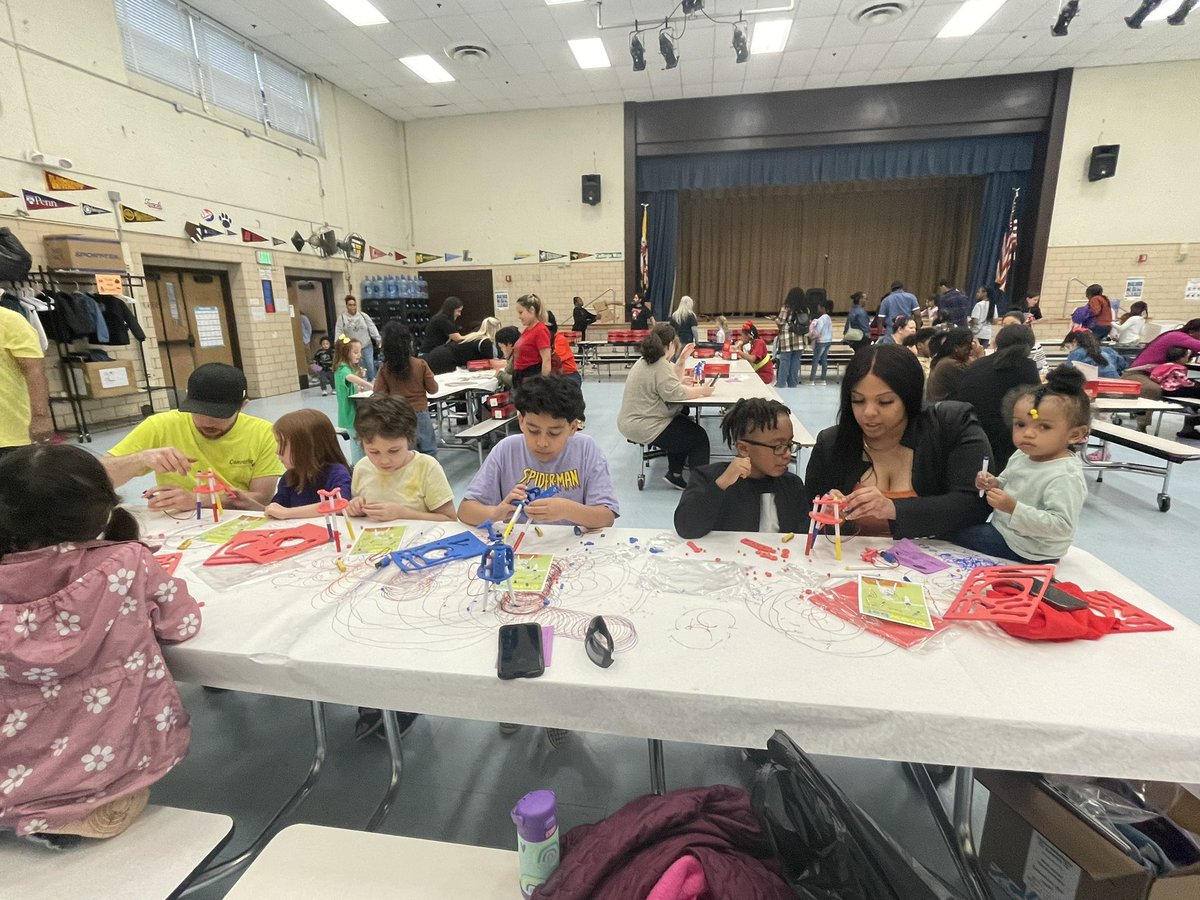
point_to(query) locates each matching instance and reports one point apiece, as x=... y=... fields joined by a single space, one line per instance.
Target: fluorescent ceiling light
x=561 y=2
x=970 y=17
x=359 y=12
x=770 y=36
x=590 y=53
x=428 y=68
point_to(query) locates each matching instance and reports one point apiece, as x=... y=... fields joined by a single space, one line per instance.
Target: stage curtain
x=993 y=224
x=662 y=243
x=741 y=249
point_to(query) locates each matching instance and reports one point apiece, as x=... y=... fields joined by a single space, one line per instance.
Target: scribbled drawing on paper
x=703 y=629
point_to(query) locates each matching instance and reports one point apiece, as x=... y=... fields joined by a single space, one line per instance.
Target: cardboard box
x=83 y=253
x=1032 y=842
x=103 y=379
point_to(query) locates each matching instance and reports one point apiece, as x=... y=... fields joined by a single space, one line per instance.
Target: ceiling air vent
x=878 y=12
x=468 y=52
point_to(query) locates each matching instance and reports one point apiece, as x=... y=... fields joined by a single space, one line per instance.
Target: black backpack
x=15 y=260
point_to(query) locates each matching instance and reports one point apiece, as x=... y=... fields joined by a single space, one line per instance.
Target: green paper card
x=378 y=540
x=894 y=601
x=230 y=527
x=531 y=571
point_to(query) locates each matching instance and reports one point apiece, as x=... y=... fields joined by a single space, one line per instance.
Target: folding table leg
x=221 y=870
x=658 y=771
x=391 y=728
x=958 y=835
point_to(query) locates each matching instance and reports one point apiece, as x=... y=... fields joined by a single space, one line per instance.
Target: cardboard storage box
x=103 y=379
x=84 y=253
x=1034 y=844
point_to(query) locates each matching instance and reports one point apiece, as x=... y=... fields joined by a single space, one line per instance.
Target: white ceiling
x=531 y=66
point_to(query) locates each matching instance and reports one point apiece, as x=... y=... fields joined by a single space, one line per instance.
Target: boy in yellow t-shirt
x=394 y=481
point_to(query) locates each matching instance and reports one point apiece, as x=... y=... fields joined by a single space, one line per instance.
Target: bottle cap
x=536 y=815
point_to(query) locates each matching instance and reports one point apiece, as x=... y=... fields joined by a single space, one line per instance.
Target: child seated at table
x=348 y=379
x=550 y=451
x=394 y=481
x=308 y=449
x=755 y=491
x=1038 y=497
x=89 y=715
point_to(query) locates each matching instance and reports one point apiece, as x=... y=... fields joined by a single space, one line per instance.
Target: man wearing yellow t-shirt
x=24 y=400
x=209 y=432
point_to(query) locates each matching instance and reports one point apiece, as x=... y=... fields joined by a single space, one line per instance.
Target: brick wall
x=268 y=355
x=557 y=283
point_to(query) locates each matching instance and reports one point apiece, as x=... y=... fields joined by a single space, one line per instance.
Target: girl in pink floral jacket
x=89 y=715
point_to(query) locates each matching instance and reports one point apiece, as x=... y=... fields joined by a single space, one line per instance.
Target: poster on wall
x=268 y=290
x=208 y=327
x=501 y=301
x=1134 y=288
x=1192 y=290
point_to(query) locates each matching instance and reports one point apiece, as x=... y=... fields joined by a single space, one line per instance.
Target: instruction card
x=230 y=527
x=378 y=540
x=531 y=571
x=894 y=601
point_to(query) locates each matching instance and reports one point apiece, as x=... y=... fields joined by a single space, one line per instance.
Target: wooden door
x=472 y=286
x=191 y=313
x=308 y=297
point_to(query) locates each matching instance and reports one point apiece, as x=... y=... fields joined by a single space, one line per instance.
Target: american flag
x=1008 y=249
x=645 y=253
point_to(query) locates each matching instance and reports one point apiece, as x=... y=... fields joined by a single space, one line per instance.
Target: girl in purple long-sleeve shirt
x=89 y=715
x=308 y=448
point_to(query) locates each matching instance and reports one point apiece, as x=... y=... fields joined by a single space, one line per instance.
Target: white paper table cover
x=724 y=654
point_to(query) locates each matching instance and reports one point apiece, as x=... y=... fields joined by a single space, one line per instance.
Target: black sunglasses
x=599 y=643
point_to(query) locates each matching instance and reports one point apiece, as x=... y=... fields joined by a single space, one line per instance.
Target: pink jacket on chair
x=88 y=711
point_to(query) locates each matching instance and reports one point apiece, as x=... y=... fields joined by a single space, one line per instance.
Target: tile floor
x=461 y=778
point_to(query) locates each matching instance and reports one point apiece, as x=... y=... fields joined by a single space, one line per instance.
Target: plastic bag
x=830 y=848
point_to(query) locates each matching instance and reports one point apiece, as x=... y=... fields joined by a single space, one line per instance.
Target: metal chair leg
x=957 y=835
x=658 y=770
x=391 y=728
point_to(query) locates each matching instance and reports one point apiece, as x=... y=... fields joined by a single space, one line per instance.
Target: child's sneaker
x=508 y=729
x=555 y=737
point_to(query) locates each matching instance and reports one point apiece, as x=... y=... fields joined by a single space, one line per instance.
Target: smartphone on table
x=521 y=651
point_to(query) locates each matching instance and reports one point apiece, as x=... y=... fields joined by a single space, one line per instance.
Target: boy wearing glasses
x=755 y=491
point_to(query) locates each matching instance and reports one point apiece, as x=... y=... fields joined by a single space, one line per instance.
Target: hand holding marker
x=983 y=471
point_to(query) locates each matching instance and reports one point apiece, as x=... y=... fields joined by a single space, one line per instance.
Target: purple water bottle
x=536 y=818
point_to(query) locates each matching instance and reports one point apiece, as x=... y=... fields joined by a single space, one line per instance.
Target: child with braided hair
x=1039 y=495
x=755 y=491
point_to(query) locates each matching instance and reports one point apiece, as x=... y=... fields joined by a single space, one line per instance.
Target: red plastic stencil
x=169 y=561
x=1130 y=618
x=1001 y=594
x=842 y=602
x=267 y=546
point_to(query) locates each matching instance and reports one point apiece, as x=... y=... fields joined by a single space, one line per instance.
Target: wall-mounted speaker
x=1103 y=163
x=591 y=189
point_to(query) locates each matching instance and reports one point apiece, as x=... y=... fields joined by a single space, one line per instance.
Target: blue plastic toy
x=498 y=561
x=416 y=559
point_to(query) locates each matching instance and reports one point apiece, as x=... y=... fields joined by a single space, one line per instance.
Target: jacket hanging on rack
x=120 y=320
x=99 y=332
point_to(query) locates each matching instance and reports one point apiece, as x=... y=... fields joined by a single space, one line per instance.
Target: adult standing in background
x=650 y=411
x=581 y=318
x=857 y=332
x=477 y=345
x=443 y=326
x=358 y=326
x=793 y=324
x=987 y=381
x=683 y=320
x=898 y=303
x=954 y=307
x=1100 y=312
x=24 y=397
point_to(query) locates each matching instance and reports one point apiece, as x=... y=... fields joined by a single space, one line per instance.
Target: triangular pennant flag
x=275 y=242
x=56 y=182
x=423 y=258
x=546 y=255
x=131 y=215
x=575 y=254
x=467 y=256
x=399 y=256
x=89 y=210
x=249 y=237
x=376 y=253
x=206 y=232
x=41 y=201
x=192 y=230
x=229 y=233
x=4 y=195
x=522 y=254
x=452 y=256
x=297 y=240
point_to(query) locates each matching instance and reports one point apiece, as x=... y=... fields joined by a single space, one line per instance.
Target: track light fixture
x=692 y=6
x=1180 y=15
x=1139 y=15
x=637 y=51
x=1065 y=15
x=666 y=46
x=741 y=47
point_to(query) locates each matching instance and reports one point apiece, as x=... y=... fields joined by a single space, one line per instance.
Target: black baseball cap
x=215 y=389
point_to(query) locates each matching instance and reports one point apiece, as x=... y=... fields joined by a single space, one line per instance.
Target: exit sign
x=264 y=257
